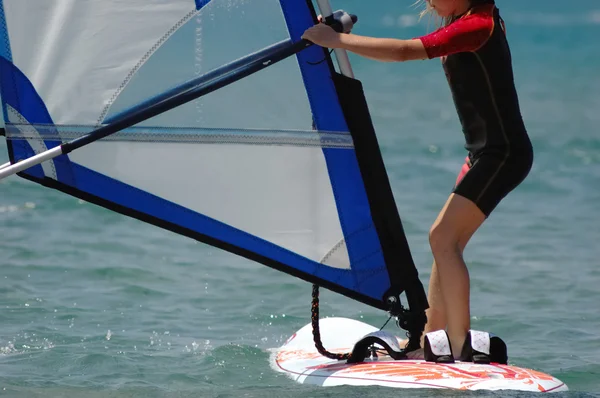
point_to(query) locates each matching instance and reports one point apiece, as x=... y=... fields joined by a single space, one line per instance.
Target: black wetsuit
x=478 y=66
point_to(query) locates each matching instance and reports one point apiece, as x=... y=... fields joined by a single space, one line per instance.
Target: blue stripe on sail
x=22 y=150
x=130 y=197
x=362 y=240
x=19 y=93
x=201 y=3
x=5 y=50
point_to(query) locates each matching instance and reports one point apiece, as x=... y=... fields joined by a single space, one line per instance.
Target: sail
x=281 y=167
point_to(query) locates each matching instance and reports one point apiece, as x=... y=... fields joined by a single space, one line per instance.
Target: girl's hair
x=448 y=20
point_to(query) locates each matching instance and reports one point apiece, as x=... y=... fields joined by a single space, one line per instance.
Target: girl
x=477 y=61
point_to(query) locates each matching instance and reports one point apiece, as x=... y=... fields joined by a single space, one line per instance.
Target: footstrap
x=438 y=348
x=387 y=341
x=483 y=348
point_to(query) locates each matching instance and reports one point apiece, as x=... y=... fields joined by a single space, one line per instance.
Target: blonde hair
x=428 y=12
x=427 y=9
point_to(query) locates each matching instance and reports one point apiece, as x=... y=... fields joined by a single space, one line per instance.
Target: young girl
x=477 y=61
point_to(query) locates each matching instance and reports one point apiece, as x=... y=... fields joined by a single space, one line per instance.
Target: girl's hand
x=323 y=35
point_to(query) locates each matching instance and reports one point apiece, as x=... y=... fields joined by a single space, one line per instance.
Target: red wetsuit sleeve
x=467 y=34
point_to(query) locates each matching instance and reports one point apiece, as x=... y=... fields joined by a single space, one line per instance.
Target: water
x=100 y=305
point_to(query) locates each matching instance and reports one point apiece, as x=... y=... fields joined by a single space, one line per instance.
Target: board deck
x=299 y=359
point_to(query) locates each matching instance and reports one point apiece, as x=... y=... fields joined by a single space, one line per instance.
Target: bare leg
x=436 y=314
x=449 y=284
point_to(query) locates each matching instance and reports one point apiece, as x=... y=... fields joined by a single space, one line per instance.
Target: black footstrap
x=484 y=348
x=362 y=349
x=438 y=348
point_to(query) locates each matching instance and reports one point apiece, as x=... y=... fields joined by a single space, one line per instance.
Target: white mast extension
x=341 y=55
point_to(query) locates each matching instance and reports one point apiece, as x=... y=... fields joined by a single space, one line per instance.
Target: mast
x=400 y=264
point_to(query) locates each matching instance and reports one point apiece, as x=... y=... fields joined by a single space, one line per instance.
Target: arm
x=386 y=50
x=467 y=34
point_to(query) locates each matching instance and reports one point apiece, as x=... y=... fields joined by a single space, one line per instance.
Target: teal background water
x=95 y=304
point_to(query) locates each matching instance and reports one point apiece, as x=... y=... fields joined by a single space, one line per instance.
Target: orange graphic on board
x=301 y=355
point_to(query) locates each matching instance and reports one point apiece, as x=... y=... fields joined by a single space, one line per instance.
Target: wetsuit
x=478 y=65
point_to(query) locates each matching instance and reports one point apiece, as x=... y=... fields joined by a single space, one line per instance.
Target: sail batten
x=190 y=135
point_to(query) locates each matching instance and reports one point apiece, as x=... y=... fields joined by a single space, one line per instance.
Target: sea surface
x=94 y=304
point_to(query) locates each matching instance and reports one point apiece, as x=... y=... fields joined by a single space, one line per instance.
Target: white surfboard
x=299 y=359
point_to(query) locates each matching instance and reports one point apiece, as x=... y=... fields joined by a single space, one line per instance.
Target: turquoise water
x=95 y=304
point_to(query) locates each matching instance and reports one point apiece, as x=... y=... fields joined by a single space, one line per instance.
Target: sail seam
x=143 y=60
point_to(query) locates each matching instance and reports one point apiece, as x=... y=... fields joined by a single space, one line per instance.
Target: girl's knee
x=443 y=239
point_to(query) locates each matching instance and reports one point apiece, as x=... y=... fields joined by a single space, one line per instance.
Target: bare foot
x=416 y=354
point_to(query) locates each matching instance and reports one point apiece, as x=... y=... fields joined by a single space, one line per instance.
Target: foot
x=457 y=346
x=416 y=354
